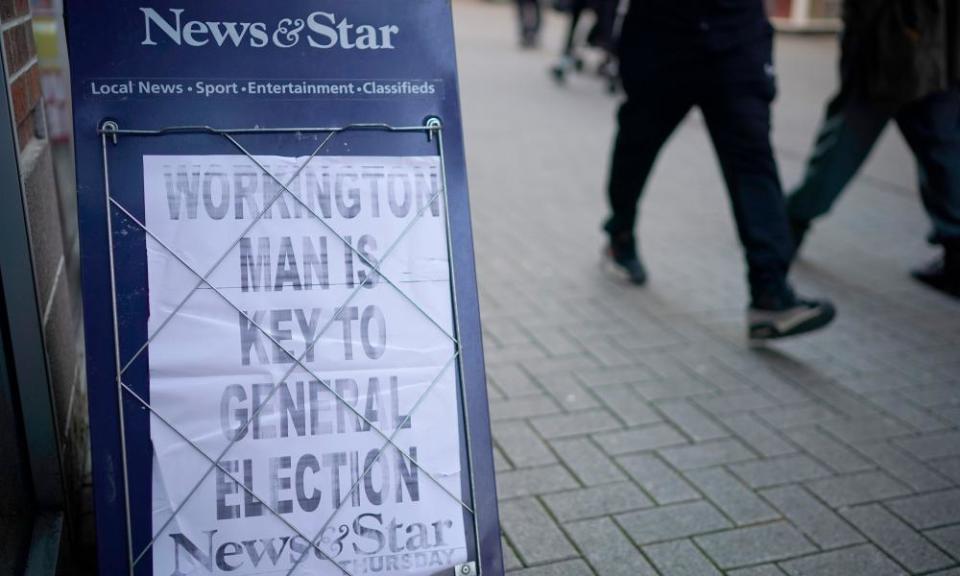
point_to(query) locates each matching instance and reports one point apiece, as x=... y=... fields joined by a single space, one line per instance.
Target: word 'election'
x=247 y=192
x=324 y=31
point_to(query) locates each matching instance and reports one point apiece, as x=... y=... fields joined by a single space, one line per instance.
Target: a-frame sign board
x=283 y=337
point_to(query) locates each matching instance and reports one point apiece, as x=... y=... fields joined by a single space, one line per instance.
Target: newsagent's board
x=283 y=342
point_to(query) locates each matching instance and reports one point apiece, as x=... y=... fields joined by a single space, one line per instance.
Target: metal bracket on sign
x=467 y=569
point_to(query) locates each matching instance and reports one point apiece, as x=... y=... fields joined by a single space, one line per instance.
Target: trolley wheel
x=578 y=64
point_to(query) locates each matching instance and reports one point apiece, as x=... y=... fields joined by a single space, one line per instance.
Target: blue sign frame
x=155 y=64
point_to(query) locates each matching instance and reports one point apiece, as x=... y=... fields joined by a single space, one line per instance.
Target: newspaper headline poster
x=343 y=374
x=316 y=405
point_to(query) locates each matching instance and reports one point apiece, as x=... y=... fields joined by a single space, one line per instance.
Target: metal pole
x=116 y=349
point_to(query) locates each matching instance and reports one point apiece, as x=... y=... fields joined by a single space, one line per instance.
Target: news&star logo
x=322 y=30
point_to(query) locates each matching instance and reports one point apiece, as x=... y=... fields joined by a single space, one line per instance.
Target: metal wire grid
x=432 y=128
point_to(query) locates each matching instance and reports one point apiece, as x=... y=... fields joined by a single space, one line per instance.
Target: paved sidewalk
x=636 y=432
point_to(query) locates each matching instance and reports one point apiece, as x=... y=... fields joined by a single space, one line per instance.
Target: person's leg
x=576 y=10
x=736 y=101
x=527 y=17
x=656 y=102
x=931 y=127
x=735 y=98
x=536 y=18
x=646 y=119
x=849 y=130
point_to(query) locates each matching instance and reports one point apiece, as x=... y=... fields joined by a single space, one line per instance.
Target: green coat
x=902 y=50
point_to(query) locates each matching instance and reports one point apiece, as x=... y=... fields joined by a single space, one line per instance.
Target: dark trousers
x=530 y=19
x=931 y=127
x=577 y=7
x=734 y=89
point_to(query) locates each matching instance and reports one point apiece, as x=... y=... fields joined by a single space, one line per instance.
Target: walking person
x=716 y=55
x=530 y=21
x=568 y=58
x=899 y=61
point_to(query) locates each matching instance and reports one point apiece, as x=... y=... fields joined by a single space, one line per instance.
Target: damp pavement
x=636 y=432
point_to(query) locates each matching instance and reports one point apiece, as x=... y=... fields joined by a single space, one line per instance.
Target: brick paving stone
x=623 y=400
x=497 y=357
x=680 y=558
x=648 y=336
x=929 y=510
x=862 y=560
x=897 y=539
x=607 y=549
x=951 y=572
x=765 y=570
x=798 y=416
x=672 y=388
x=639 y=439
x=500 y=462
x=657 y=479
x=587 y=461
x=712 y=371
x=947 y=538
x=758 y=435
x=506 y=331
x=778 y=471
x=949 y=467
x=932 y=446
x=620 y=375
x=707 y=454
x=521 y=445
x=556 y=343
x=736 y=500
x=535 y=536
x=530 y=481
x=605 y=350
x=575 y=424
x=691 y=420
x=857 y=489
x=949 y=414
x=754 y=545
x=873 y=383
x=493 y=392
x=512 y=380
x=904 y=468
x=816 y=521
x=568 y=392
x=906 y=412
x=597 y=501
x=936 y=395
x=510 y=559
x=543 y=368
x=568 y=568
x=663 y=366
x=854 y=410
x=829 y=451
x=525 y=407
x=672 y=522
x=863 y=429
x=731 y=402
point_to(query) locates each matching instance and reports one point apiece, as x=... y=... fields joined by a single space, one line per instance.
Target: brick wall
x=20 y=57
x=51 y=217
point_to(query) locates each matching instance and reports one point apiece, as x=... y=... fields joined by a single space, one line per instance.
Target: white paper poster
x=297 y=295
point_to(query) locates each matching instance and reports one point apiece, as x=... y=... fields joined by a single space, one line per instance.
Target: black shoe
x=942 y=274
x=790 y=318
x=621 y=259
